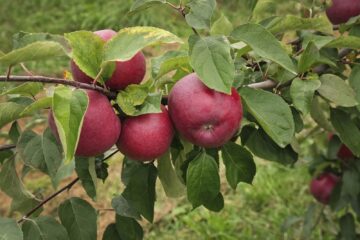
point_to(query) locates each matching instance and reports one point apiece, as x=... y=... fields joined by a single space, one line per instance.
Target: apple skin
x=342 y=10
x=203 y=116
x=146 y=137
x=322 y=187
x=125 y=73
x=344 y=152
x=101 y=127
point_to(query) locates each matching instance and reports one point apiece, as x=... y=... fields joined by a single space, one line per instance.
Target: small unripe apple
x=101 y=127
x=203 y=116
x=125 y=73
x=322 y=187
x=342 y=10
x=146 y=137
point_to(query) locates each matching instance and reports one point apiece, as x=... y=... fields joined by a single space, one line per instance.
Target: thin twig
x=67 y=187
x=181 y=10
x=7 y=147
x=42 y=203
x=62 y=81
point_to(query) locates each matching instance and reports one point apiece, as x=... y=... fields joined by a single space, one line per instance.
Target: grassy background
x=279 y=195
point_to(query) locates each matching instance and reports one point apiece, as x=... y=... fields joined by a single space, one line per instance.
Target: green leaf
x=169 y=62
x=41 y=152
x=349 y=133
x=28 y=88
x=302 y=93
x=111 y=233
x=239 y=163
x=87 y=50
x=354 y=81
x=39 y=104
x=351 y=183
x=272 y=113
x=222 y=26
x=139 y=5
x=202 y=180
x=140 y=190
x=294 y=23
x=85 y=169
x=337 y=91
x=10 y=111
x=101 y=168
x=33 y=52
x=211 y=59
x=171 y=183
x=128 y=228
x=23 y=39
x=79 y=219
x=264 y=44
x=345 y=42
x=10 y=230
x=200 y=13
x=136 y=100
x=309 y=57
x=11 y=184
x=123 y=208
x=320 y=112
x=15 y=132
x=263 y=147
x=44 y=228
x=129 y=41
x=69 y=107
x=216 y=204
x=347 y=227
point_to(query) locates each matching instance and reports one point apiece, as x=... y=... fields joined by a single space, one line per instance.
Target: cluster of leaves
x=309 y=85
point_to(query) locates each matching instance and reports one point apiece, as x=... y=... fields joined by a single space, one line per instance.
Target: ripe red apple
x=344 y=152
x=342 y=10
x=101 y=127
x=125 y=73
x=147 y=136
x=322 y=187
x=203 y=116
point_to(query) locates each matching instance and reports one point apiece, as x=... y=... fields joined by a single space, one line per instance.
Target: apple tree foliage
x=296 y=77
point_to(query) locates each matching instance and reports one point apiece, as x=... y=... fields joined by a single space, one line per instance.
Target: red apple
x=101 y=127
x=342 y=10
x=322 y=187
x=125 y=73
x=147 y=136
x=203 y=116
x=344 y=152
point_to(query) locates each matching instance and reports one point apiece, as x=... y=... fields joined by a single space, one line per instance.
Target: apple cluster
x=200 y=115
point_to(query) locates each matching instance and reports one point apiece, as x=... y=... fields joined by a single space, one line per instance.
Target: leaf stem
x=181 y=10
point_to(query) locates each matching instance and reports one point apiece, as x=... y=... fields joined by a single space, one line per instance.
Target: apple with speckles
x=125 y=73
x=101 y=127
x=203 y=116
x=322 y=187
x=146 y=137
x=342 y=10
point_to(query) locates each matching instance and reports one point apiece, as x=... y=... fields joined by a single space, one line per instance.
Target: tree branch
x=42 y=203
x=7 y=147
x=52 y=80
x=52 y=196
x=268 y=84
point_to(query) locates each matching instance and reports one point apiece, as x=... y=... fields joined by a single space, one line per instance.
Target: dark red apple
x=322 y=187
x=101 y=127
x=147 y=136
x=203 y=116
x=125 y=73
x=344 y=152
x=342 y=10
